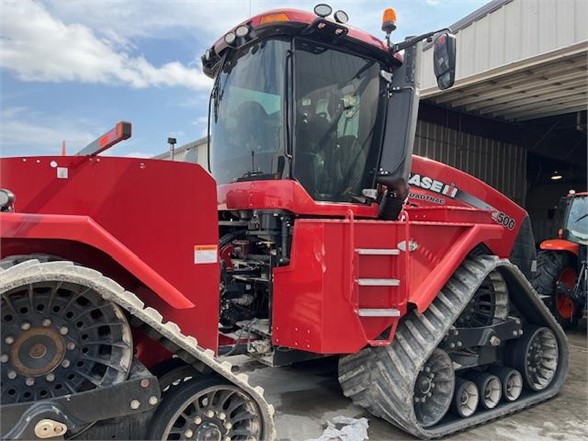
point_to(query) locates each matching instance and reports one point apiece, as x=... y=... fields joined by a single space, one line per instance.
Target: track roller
x=490 y=388
x=512 y=382
x=466 y=398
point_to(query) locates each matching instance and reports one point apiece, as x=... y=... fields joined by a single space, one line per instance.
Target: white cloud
x=157 y=19
x=39 y=47
x=25 y=132
x=124 y=21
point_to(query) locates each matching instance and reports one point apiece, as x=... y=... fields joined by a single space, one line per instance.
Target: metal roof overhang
x=549 y=84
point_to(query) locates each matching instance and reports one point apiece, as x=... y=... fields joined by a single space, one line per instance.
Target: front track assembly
x=414 y=384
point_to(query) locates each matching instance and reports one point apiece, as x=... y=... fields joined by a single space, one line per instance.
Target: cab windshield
x=247 y=114
x=337 y=121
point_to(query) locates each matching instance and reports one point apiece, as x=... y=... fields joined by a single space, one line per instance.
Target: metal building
x=516 y=116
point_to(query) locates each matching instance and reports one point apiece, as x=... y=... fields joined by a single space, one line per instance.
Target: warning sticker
x=62 y=173
x=205 y=253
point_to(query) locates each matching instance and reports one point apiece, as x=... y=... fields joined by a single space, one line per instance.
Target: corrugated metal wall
x=515 y=30
x=503 y=166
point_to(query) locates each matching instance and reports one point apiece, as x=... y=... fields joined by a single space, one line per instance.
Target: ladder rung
x=377 y=251
x=378 y=313
x=378 y=282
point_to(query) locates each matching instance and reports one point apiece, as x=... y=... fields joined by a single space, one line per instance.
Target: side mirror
x=444 y=60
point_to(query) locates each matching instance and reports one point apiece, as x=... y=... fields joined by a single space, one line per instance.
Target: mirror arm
x=407 y=43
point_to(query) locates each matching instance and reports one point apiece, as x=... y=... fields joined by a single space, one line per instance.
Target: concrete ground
x=307 y=396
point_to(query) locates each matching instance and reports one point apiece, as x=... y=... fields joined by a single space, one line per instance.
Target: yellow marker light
x=389 y=20
x=272 y=18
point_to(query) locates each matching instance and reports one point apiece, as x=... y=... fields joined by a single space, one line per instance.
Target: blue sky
x=69 y=70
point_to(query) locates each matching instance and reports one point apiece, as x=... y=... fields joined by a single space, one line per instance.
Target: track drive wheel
x=206 y=409
x=554 y=267
x=58 y=337
x=535 y=355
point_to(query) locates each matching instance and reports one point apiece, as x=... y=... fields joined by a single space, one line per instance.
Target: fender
x=560 y=245
x=424 y=291
x=84 y=230
x=433 y=183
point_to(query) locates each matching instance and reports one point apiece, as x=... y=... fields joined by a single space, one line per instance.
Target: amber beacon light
x=389 y=20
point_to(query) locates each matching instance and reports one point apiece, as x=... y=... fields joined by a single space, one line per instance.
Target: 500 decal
x=503 y=219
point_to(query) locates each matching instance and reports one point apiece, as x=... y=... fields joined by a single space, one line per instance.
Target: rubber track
x=169 y=333
x=382 y=379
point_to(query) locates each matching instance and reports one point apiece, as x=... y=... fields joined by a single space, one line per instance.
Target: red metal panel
x=560 y=245
x=284 y=195
x=150 y=214
x=316 y=299
x=84 y=230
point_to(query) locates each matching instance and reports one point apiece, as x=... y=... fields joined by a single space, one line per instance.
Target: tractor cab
x=303 y=97
x=575 y=219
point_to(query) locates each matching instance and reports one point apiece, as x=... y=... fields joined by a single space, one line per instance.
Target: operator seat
x=310 y=155
x=345 y=166
x=253 y=120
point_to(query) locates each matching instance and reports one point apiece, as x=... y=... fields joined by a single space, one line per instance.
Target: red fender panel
x=560 y=245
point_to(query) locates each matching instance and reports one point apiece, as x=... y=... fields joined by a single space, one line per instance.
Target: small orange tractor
x=561 y=275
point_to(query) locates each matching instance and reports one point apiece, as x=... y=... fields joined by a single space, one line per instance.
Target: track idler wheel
x=512 y=382
x=535 y=355
x=490 y=388
x=206 y=408
x=173 y=372
x=466 y=398
x=434 y=388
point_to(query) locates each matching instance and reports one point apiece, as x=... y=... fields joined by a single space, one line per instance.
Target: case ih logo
x=427 y=183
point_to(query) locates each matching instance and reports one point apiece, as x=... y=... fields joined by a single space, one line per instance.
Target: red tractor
x=561 y=275
x=127 y=283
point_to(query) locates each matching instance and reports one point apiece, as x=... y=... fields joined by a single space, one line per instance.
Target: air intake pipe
x=401 y=119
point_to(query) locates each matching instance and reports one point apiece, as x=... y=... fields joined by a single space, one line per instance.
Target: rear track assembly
x=387 y=381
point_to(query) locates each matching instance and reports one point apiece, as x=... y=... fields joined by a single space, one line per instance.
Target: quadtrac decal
x=426 y=198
